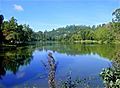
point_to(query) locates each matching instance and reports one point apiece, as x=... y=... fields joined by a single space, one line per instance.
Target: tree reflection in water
x=2 y=69
x=12 y=60
x=84 y=82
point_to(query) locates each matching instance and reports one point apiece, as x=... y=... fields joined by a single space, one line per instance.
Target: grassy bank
x=91 y=42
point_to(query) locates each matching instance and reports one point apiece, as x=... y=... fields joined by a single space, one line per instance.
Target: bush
x=111 y=77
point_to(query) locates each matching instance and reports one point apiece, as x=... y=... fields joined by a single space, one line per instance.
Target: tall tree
x=9 y=31
x=1 y=20
x=116 y=15
x=13 y=24
x=1 y=34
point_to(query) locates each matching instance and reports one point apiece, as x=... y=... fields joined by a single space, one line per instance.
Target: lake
x=27 y=66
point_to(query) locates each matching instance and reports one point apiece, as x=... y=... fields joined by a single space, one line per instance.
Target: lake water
x=28 y=66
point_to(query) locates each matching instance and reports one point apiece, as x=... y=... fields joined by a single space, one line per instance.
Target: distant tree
x=93 y=27
x=116 y=15
x=116 y=23
x=27 y=32
x=13 y=24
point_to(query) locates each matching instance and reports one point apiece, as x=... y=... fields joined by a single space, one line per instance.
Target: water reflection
x=116 y=59
x=80 y=82
x=2 y=69
x=12 y=60
x=105 y=50
x=82 y=59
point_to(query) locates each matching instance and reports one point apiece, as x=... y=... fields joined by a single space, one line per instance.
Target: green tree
x=27 y=32
x=116 y=15
x=13 y=24
x=9 y=30
x=1 y=34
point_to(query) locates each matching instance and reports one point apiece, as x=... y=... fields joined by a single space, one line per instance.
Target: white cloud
x=18 y=7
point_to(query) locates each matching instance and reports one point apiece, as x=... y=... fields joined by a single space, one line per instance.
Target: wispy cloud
x=18 y=7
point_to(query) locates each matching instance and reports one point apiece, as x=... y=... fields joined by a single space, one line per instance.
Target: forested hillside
x=103 y=33
x=12 y=32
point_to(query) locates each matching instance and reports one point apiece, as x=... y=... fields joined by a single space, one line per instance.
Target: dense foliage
x=17 y=33
x=104 y=33
x=111 y=75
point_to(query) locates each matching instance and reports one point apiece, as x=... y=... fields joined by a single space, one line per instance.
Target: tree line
x=104 y=33
x=12 y=32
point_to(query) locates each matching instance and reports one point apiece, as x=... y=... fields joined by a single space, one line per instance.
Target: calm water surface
x=27 y=66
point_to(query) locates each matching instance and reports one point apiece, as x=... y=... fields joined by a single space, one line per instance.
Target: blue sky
x=44 y=15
